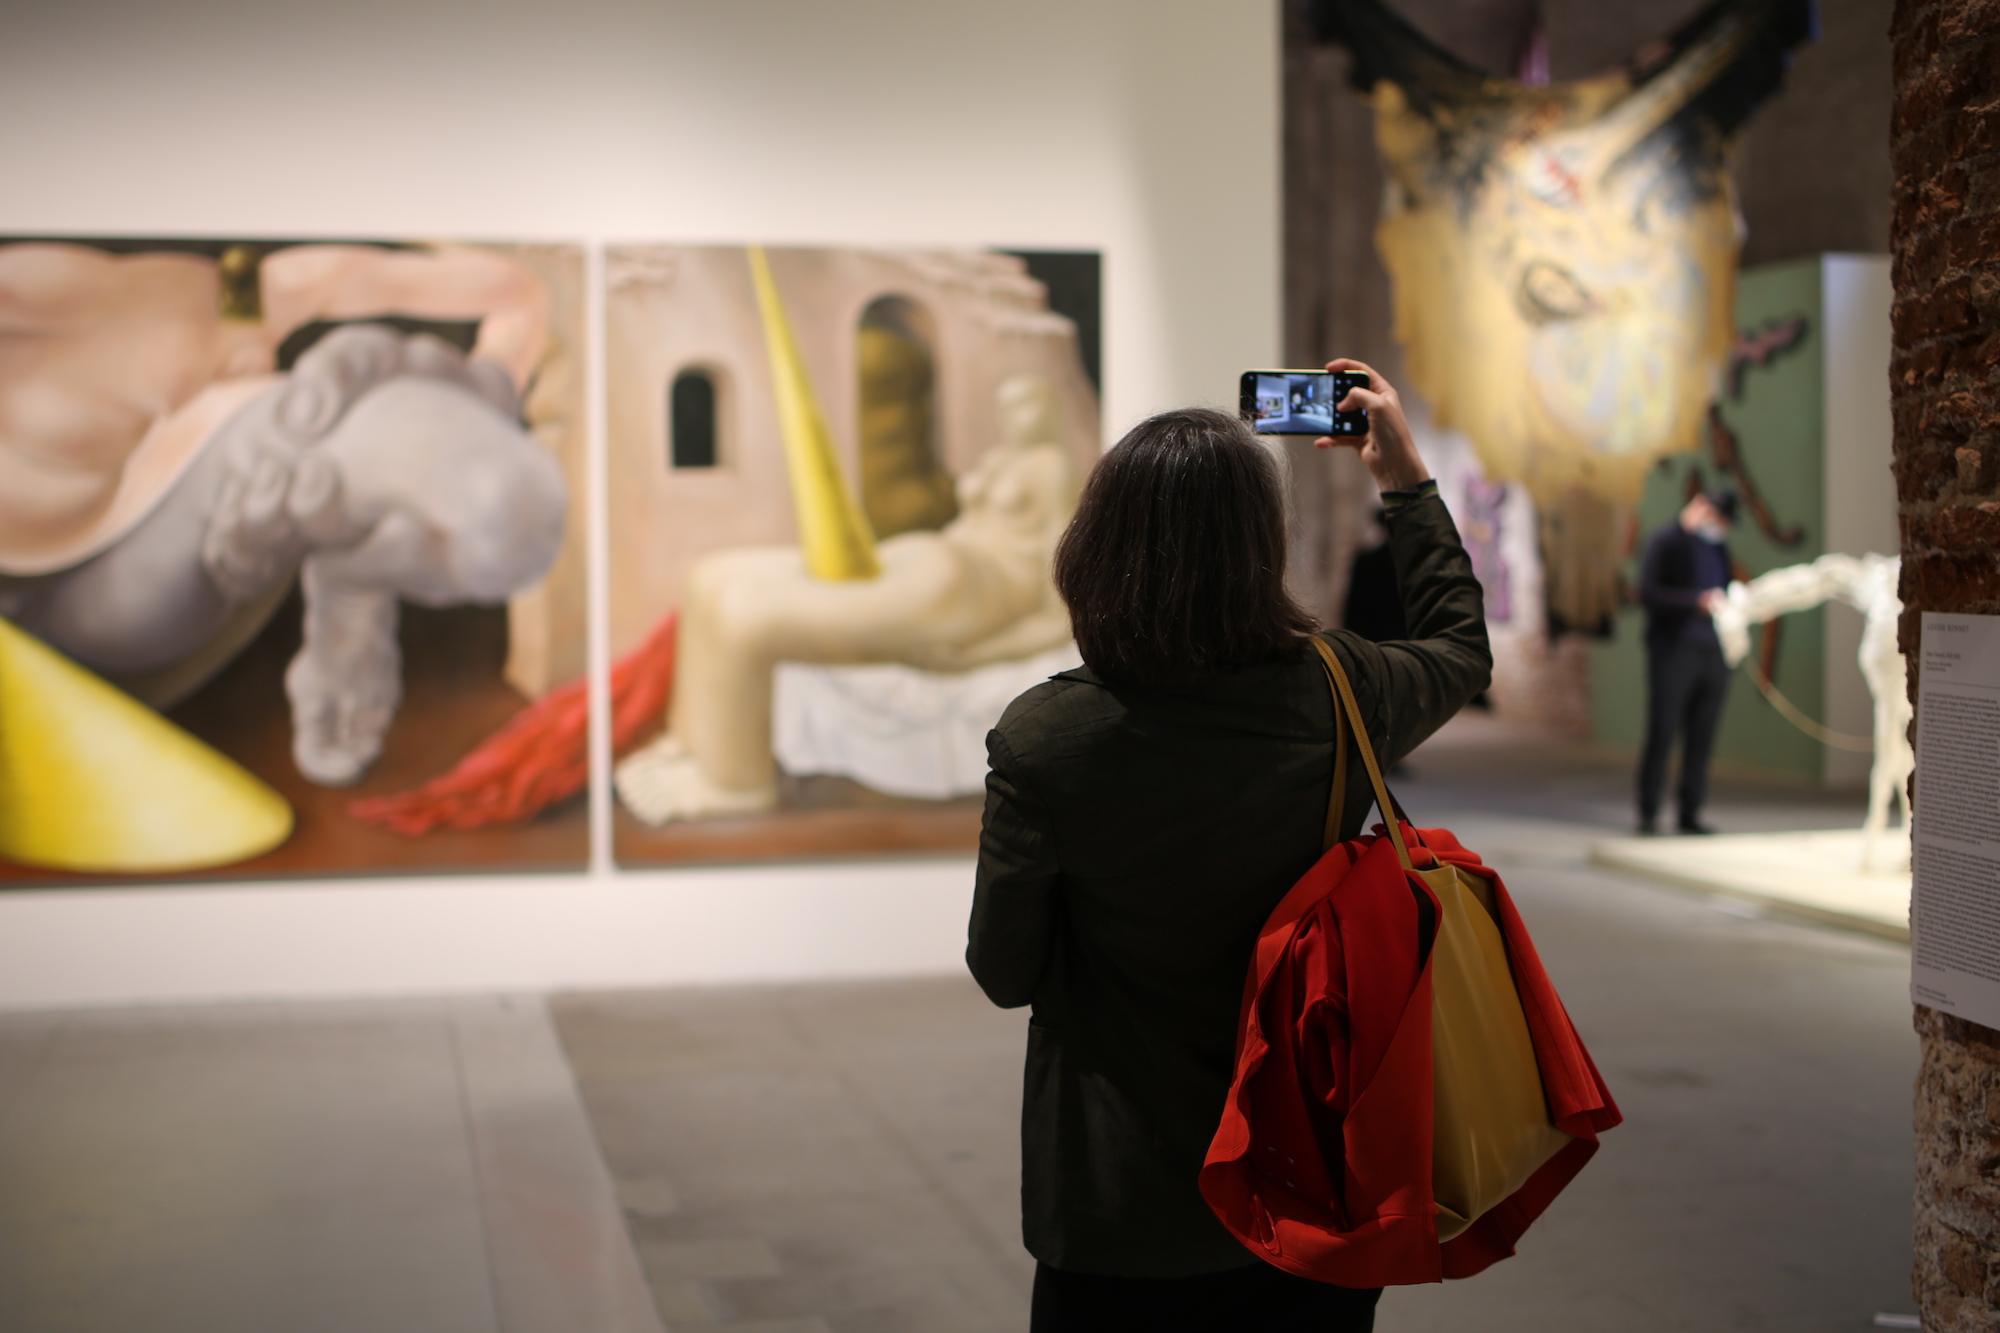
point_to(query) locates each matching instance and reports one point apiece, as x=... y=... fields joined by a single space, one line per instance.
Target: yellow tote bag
x=1490 y=1127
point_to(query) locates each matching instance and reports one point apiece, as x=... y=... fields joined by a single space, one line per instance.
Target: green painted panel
x=1779 y=431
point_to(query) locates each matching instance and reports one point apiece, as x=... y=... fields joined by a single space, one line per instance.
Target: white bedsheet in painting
x=897 y=729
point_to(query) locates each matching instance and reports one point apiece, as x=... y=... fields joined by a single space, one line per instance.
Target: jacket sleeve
x=1012 y=935
x=1654 y=572
x=1414 y=686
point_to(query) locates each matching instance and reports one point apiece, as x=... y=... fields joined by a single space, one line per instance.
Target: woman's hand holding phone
x=1388 y=450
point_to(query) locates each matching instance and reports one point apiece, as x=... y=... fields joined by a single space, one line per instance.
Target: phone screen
x=1300 y=402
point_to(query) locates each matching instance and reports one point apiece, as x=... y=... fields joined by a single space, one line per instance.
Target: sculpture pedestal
x=1814 y=876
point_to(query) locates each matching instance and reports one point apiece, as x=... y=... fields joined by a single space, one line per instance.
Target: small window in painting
x=691 y=420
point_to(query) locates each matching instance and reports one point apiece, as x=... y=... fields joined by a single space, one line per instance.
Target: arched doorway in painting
x=904 y=486
x=694 y=415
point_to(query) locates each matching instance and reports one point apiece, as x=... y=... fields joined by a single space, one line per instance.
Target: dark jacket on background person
x=1374 y=605
x=1135 y=840
x=1677 y=569
x=1687 y=679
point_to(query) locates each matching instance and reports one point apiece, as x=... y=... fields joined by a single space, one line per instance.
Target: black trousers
x=1255 y=1299
x=1686 y=685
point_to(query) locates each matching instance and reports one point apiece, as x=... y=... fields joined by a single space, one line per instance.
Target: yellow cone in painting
x=833 y=531
x=91 y=779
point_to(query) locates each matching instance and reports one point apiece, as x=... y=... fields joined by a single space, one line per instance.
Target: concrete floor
x=841 y=1158
x=808 y=1158
x=396 y=1167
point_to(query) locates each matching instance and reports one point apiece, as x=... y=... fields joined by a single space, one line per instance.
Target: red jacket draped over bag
x=1322 y=1163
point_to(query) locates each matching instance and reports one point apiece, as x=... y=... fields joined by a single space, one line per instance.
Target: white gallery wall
x=1860 y=500
x=1147 y=131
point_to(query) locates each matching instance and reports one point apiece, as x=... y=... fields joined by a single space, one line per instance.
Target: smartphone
x=1301 y=402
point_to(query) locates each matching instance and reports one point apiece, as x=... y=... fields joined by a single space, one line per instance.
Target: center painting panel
x=836 y=477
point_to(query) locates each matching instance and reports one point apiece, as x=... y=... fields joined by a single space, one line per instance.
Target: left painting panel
x=292 y=571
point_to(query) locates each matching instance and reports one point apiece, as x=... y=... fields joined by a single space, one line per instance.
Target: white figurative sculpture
x=975 y=593
x=160 y=481
x=1868 y=584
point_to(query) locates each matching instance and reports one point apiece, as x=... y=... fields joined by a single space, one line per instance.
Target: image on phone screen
x=1294 y=404
x=1301 y=402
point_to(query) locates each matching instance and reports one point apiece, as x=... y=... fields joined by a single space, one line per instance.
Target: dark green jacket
x=1135 y=841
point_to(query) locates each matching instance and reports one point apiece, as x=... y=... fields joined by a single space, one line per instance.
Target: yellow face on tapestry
x=1564 y=256
x=1566 y=317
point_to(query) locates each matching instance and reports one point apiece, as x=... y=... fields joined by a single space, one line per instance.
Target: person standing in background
x=1374 y=605
x=1686 y=567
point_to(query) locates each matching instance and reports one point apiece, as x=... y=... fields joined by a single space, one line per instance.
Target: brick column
x=1945 y=385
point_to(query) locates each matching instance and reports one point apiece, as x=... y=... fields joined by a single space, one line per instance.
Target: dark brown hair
x=1174 y=566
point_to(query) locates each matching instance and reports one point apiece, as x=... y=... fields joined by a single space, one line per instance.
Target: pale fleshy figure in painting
x=975 y=593
x=161 y=481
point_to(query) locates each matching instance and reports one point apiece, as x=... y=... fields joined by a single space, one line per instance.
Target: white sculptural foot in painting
x=382 y=467
x=446 y=500
x=1867 y=583
x=662 y=781
x=974 y=593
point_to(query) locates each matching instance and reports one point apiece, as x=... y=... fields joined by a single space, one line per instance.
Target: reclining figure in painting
x=974 y=593
x=161 y=481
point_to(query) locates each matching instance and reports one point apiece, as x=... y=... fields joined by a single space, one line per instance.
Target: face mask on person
x=1711 y=529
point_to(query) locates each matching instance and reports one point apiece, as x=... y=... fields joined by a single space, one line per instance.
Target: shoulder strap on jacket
x=1336 y=801
x=1345 y=703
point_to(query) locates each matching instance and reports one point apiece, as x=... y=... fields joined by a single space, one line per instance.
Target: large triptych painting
x=294 y=548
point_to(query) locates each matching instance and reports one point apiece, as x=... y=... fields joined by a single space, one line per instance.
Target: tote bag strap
x=1348 y=711
x=1336 y=801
